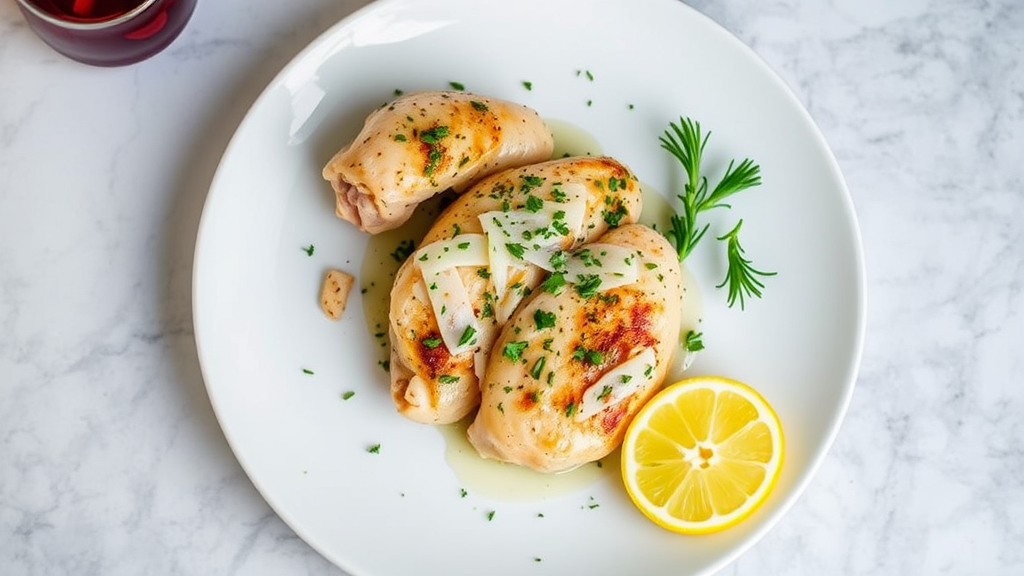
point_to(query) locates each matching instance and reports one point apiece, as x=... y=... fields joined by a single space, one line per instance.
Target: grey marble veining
x=111 y=460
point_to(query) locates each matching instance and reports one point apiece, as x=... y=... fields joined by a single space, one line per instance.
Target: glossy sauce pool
x=490 y=478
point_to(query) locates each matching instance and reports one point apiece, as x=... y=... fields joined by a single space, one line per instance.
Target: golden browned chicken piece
x=484 y=254
x=570 y=370
x=427 y=142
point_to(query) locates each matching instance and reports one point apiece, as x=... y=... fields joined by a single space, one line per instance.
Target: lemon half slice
x=702 y=454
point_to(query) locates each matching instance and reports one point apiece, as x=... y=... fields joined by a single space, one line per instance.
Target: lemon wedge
x=702 y=455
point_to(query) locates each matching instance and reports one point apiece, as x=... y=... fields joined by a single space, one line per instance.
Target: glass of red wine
x=107 y=32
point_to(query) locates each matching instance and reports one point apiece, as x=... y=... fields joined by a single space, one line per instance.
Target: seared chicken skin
x=570 y=370
x=484 y=254
x=424 y=143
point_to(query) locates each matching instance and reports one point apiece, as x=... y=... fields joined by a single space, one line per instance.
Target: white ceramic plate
x=401 y=511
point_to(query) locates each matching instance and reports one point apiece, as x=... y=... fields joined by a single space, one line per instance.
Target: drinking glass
x=107 y=32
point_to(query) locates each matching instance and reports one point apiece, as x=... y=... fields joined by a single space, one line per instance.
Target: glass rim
x=85 y=26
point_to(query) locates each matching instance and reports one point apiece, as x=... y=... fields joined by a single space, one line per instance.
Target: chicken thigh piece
x=484 y=254
x=427 y=142
x=572 y=367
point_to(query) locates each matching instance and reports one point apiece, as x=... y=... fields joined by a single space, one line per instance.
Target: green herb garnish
x=544 y=319
x=554 y=284
x=514 y=350
x=538 y=367
x=684 y=141
x=432 y=138
x=467 y=336
x=404 y=250
x=594 y=357
x=694 y=341
x=741 y=277
x=517 y=250
x=533 y=203
x=587 y=285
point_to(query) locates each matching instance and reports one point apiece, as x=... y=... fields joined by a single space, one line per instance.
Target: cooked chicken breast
x=484 y=254
x=425 y=143
x=570 y=370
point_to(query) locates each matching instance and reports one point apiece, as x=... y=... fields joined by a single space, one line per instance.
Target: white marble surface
x=111 y=460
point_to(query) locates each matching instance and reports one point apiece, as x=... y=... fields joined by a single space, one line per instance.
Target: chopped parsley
x=533 y=203
x=348 y=395
x=308 y=250
x=457 y=86
x=431 y=343
x=694 y=341
x=587 y=285
x=447 y=379
x=588 y=259
x=538 y=368
x=527 y=84
x=544 y=319
x=479 y=106
x=614 y=218
x=557 y=260
x=570 y=410
x=467 y=336
x=404 y=250
x=514 y=350
x=594 y=357
x=375 y=449
x=515 y=249
x=554 y=284
x=432 y=138
x=560 y=227
x=434 y=135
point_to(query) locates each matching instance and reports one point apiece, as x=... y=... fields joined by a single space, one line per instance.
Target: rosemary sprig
x=685 y=142
x=742 y=278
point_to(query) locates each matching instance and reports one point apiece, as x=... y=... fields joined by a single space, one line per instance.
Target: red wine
x=87 y=10
x=107 y=32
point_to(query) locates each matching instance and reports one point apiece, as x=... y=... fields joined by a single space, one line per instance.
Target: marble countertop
x=111 y=459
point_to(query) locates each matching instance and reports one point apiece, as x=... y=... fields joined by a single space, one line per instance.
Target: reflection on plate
x=304 y=402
